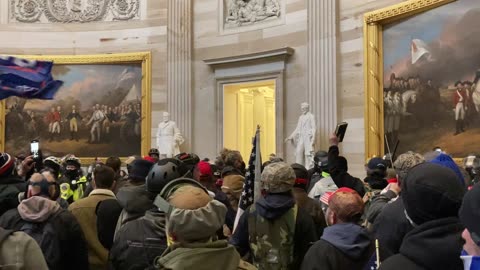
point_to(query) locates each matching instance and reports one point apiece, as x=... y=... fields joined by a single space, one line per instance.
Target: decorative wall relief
x=70 y=11
x=245 y=15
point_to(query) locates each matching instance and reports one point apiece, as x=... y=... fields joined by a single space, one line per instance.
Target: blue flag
x=27 y=78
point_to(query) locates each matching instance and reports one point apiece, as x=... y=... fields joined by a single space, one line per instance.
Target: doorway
x=246 y=105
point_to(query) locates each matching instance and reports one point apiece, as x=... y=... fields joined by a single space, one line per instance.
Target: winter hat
x=470 y=213
x=430 y=192
x=405 y=162
x=6 y=165
x=446 y=161
x=204 y=169
x=302 y=176
x=233 y=183
x=278 y=177
x=139 y=169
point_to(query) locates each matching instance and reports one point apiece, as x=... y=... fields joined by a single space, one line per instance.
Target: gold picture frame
x=145 y=58
x=373 y=66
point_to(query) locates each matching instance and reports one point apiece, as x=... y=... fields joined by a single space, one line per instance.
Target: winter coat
x=139 y=242
x=312 y=207
x=340 y=175
x=10 y=187
x=18 y=251
x=217 y=255
x=273 y=206
x=73 y=251
x=432 y=245
x=108 y=212
x=390 y=227
x=135 y=201
x=378 y=203
x=344 y=246
x=84 y=212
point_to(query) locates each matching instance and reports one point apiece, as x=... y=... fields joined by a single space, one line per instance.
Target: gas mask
x=44 y=189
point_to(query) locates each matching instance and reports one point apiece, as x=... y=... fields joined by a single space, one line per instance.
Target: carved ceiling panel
x=73 y=11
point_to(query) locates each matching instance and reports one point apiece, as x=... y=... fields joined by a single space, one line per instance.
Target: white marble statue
x=303 y=137
x=169 y=138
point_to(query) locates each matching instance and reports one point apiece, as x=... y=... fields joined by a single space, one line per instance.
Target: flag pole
x=258 y=167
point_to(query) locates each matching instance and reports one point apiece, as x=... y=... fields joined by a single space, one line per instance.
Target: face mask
x=71 y=174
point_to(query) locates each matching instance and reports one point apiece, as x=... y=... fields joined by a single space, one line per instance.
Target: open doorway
x=246 y=105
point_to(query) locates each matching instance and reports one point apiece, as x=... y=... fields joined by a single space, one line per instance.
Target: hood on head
x=351 y=239
x=274 y=205
x=135 y=199
x=37 y=209
x=198 y=224
x=435 y=244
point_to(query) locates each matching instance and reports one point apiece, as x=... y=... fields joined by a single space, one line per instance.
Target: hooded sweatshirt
x=38 y=209
x=135 y=201
x=432 y=245
x=342 y=246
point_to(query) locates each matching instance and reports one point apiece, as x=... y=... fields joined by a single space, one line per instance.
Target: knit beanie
x=470 y=213
x=301 y=174
x=446 y=161
x=430 y=192
x=6 y=165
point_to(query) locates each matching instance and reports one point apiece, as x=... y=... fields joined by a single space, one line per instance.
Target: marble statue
x=245 y=12
x=303 y=137
x=68 y=11
x=169 y=138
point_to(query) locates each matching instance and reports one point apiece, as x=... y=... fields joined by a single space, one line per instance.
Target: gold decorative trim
x=138 y=57
x=373 y=65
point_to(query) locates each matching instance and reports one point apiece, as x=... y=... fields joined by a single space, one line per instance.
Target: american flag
x=251 y=187
x=27 y=78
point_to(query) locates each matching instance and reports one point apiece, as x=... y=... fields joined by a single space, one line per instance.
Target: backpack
x=8 y=197
x=47 y=237
x=272 y=241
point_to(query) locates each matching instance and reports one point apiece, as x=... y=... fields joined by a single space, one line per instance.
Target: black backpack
x=46 y=235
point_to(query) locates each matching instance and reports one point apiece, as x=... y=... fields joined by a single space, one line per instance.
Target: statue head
x=166 y=117
x=305 y=107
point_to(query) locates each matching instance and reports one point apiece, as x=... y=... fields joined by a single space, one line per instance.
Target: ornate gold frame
x=144 y=57
x=373 y=65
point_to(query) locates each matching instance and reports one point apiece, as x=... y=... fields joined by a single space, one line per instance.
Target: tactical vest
x=272 y=241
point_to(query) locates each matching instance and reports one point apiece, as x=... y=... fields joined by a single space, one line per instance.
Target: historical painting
x=431 y=72
x=246 y=15
x=97 y=112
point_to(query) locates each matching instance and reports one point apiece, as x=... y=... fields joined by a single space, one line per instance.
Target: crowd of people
x=415 y=211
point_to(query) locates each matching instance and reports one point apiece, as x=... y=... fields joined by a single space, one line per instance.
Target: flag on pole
x=251 y=187
x=27 y=78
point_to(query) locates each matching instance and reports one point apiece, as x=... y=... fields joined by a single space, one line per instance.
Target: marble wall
x=209 y=43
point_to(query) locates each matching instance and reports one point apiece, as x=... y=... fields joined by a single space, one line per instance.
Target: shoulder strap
x=4 y=234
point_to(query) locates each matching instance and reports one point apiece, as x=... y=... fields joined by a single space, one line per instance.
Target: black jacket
x=338 y=169
x=390 y=226
x=10 y=187
x=274 y=206
x=135 y=201
x=432 y=245
x=344 y=246
x=74 y=253
x=139 y=242
x=378 y=203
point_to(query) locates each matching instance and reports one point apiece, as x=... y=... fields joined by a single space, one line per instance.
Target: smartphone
x=34 y=148
x=340 y=130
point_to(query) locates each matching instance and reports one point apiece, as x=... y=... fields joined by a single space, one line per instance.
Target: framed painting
x=422 y=72
x=102 y=109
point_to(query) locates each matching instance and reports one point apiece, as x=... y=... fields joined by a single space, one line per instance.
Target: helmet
x=73 y=160
x=153 y=151
x=53 y=163
x=164 y=171
x=321 y=160
x=189 y=159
